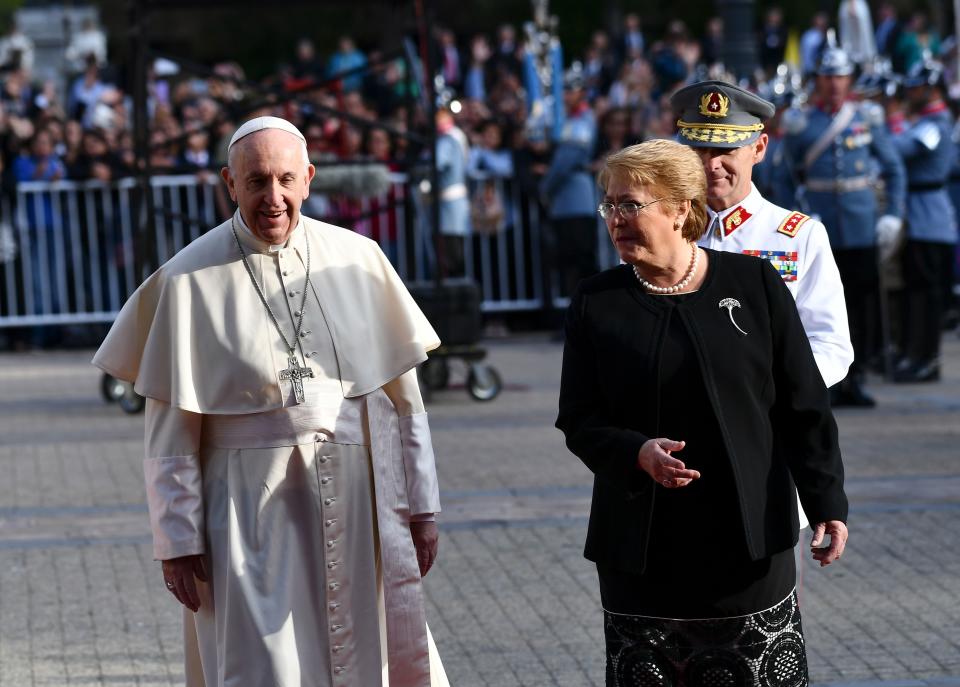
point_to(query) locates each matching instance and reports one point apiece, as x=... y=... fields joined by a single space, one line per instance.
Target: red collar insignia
x=735 y=219
x=933 y=108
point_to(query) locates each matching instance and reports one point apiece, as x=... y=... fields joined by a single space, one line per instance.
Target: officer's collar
x=734 y=217
x=933 y=108
x=821 y=104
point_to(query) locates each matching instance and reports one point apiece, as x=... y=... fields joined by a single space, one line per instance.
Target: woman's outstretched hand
x=656 y=460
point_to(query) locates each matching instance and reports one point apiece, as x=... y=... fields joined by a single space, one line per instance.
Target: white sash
x=407 y=644
x=839 y=123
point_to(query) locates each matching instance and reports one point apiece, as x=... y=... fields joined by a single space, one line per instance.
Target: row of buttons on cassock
x=332 y=585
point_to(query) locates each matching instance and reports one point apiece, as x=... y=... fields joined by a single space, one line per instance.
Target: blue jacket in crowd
x=452 y=170
x=569 y=184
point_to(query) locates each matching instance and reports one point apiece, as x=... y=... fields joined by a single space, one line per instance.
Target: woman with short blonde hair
x=689 y=389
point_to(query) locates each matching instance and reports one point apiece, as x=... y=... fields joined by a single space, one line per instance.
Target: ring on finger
x=666 y=482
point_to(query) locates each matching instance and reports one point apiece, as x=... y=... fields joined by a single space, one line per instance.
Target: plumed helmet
x=574 y=78
x=835 y=62
x=925 y=73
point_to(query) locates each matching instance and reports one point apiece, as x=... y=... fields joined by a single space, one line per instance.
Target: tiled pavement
x=512 y=602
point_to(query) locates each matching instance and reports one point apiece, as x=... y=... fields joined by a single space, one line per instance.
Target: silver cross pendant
x=296 y=374
x=730 y=304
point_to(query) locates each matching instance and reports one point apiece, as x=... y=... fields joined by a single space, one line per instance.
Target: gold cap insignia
x=714 y=104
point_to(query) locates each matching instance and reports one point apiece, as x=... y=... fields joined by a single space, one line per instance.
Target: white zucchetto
x=261 y=123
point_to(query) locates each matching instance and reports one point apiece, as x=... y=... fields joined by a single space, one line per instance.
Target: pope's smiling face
x=269 y=178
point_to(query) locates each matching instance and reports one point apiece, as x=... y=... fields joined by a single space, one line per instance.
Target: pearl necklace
x=680 y=285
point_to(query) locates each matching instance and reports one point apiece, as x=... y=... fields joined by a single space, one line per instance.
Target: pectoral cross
x=295 y=374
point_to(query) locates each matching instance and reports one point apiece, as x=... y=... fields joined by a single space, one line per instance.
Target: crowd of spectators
x=354 y=104
x=629 y=74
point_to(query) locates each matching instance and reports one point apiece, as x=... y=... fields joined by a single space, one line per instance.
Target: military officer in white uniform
x=724 y=124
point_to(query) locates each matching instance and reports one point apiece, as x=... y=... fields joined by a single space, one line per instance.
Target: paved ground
x=512 y=602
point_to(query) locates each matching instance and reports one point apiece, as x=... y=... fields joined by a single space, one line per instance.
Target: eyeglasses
x=627 y=210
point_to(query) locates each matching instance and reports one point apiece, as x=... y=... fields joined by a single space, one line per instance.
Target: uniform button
x=296 y=314
x=336 y=628
x=331 y=543
x=332 y=564
x=325 y=480
x=334 y=606
x=303 y=335
x=330 y=500
x=339 y=669
x=324 y=459
x=337 y=648
x=330 y=522
x=333 y=586
x=306 y=355
x=286 y=273
x=291 y=293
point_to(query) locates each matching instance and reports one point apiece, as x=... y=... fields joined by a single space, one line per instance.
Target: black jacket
x=764 y=387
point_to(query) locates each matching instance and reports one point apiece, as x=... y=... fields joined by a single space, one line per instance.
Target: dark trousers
x=575 y=250
x=927 y=279
x=452 y=264
x=860 y=275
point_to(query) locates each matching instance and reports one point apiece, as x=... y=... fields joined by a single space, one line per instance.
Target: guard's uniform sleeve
x=823 y=309
x=173 y=478
x=419 y=464
x=907 y=144
x=891 y=169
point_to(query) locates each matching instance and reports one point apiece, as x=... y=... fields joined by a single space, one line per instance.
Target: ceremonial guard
x=931 y=227
x=725 y=125
x=834 y=148
x=569 y=189
x=772 y=174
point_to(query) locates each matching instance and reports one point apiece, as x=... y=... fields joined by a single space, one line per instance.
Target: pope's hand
x=426 y=539
x=838 y=541
x=178 y=576
x=655 y=459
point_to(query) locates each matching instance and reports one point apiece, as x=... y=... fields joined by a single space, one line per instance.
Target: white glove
x=889 y=231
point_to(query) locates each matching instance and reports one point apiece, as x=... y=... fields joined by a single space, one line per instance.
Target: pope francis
x=289 y=469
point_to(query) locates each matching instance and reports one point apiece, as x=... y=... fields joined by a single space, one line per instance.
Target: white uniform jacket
x=797 y=245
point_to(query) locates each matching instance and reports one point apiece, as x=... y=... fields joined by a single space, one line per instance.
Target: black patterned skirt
x=763 y=649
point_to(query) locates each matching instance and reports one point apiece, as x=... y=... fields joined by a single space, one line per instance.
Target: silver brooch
x=730 y=304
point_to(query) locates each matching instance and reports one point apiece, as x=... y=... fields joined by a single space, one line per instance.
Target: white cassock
x=302 y=509
x=798 y=246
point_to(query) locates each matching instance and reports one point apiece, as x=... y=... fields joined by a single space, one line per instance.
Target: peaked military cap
x=716 y=114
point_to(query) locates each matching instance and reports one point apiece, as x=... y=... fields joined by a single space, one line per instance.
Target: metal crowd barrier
x=71 y=257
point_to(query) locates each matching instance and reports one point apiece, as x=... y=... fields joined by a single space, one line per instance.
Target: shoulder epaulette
x=791 y=225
